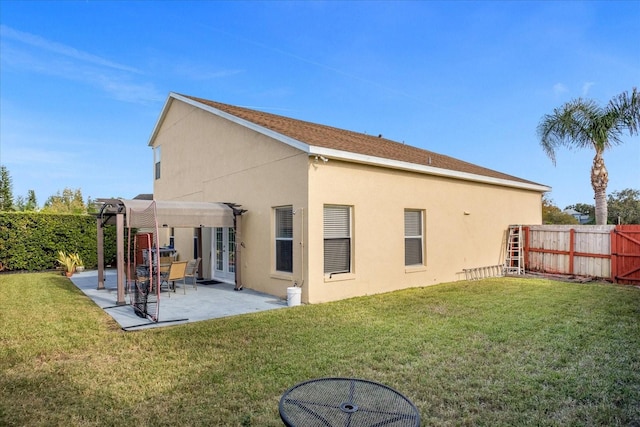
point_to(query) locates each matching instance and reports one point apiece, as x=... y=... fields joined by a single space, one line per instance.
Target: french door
x=224 y=253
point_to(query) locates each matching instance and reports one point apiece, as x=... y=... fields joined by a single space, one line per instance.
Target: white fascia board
x=245 y=123
x=429 y=170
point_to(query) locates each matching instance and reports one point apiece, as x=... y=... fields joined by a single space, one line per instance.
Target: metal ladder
x=514 y=260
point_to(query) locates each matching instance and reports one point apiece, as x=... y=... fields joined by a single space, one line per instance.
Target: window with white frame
x=337 y=239
x=413 y=237
x=284 y=239
x=156 y=162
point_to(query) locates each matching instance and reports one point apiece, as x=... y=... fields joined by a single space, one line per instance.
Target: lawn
x=505 y=351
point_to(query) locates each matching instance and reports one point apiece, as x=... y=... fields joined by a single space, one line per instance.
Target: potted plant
x=78 y=262
x=67 y=262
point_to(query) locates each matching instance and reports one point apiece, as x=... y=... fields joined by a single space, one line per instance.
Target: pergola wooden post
x=120 y=258
x=100 y=243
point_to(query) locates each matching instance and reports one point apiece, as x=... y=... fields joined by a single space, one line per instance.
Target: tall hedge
x=30 y=241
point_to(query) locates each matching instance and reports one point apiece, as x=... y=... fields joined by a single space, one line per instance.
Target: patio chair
x=165 y=263
x=176 y=272
x=192 y=272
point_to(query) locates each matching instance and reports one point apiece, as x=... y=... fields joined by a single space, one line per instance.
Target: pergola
x=126 y=214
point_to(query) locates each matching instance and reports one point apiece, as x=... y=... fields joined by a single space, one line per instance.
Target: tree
x=551 y=214
x=69 y=201
x=19 y=204
x=624 y=207
x=32 y=201
x=6 y=190
x=91 y=206
x=29 y=204
x=584 y=124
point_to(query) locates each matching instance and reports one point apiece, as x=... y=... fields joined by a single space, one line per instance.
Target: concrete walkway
x=207 y=302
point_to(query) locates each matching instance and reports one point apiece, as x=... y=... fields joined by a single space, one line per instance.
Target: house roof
x=331 y=142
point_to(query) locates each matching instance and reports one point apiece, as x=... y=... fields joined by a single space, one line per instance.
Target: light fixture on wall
x=467 y=213
x=324 y=159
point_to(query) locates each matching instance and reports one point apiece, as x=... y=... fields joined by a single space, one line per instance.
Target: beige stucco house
x=340 y=213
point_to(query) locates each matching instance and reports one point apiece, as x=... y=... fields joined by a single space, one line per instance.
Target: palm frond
x=569 y=126
x=583 y=124
x=626 y=109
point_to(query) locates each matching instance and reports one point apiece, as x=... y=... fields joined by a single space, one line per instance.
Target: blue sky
x=82 y=83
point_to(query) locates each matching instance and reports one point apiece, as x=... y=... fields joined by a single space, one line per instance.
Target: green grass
x=494 y=352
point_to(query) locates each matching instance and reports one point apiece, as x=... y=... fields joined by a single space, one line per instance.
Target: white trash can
x=294 y=294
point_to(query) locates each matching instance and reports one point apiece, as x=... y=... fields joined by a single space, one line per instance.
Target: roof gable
x=320 y=139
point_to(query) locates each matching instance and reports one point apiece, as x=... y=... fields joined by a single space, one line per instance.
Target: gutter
x=423 y=169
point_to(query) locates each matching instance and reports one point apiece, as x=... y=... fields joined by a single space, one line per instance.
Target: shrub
x=30 y=241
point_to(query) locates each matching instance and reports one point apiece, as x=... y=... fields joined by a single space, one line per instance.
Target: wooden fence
x=601 y=251
x=625 y=254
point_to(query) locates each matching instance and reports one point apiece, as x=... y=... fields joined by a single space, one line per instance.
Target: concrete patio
x=207 y=302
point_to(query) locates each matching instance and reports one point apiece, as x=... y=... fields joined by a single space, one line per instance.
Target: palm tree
x=584 y=124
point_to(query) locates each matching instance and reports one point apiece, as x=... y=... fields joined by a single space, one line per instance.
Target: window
x=284 y=239
x=156 y=161
x=337 y=239
x=413 y=241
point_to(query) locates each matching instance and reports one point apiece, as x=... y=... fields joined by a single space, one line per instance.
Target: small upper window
x=156 y=161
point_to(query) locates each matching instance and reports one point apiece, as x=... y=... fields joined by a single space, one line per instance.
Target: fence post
x=613 y=253
x=572 y=249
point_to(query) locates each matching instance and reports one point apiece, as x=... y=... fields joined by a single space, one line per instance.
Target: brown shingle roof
x=354 y=142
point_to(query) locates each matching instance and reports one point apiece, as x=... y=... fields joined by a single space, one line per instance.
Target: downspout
x=237 y=225
x=302 y=247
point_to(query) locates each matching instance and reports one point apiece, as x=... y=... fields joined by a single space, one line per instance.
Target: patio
x=207 y=302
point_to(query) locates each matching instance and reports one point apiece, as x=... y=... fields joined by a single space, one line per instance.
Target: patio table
x=346 y=402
